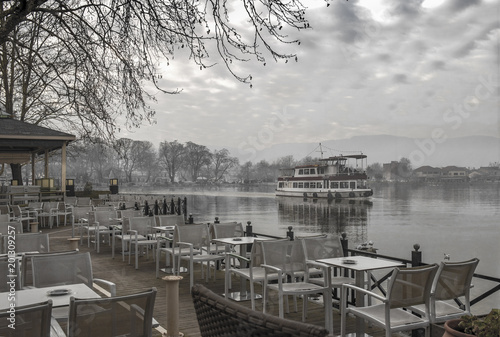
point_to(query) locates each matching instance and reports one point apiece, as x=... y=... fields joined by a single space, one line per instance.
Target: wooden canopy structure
x=22 y=142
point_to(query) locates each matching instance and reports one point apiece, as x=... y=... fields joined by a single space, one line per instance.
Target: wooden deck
x=129 y=280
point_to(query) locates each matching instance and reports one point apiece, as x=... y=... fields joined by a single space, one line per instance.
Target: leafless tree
x=85 y=63
x=197 y=157
x=171 y=155
x=221 y=163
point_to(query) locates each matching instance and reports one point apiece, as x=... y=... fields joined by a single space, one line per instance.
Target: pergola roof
x=19 y=140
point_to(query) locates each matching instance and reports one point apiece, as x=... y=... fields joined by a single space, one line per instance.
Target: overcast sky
x=369 y=67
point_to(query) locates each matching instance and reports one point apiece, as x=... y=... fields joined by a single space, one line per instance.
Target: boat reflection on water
x=316 y=216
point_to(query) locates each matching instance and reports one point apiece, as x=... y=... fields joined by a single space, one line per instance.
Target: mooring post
x=172 y=306
x=289 y=234
x=416 y=256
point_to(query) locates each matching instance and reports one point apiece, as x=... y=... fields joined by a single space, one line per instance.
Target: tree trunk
x=17 y=173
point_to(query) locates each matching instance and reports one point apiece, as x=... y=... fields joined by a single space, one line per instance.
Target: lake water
x=460 y=220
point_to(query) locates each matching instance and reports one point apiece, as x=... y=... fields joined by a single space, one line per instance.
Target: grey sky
x=406 y=68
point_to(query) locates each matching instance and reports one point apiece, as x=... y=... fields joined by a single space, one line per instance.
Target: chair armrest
x=364 y=291
x=154 y=323
x=237 y=256
x=55 y=329
x=111 y=286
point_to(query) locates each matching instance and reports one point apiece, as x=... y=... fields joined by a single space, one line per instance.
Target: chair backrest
x=453 y=279
x=103 y=217
x=26 y=268
x=196 y=234
x=322 y=247
x=142 y=224
x=31 y=321
x=129 y=315
x=62 y=269
x=16 y=210
x=410 y=286
x=10 y=277
x=31 y=242
x=129 y=213
x=9 y=226
x=48 y=206
x=286 y=255
x=70 y=200
x=83 y=201
x=4 y=209
x=226 y=230
x=219 y=316
x=170 y=220
x=81 y=212
x=4 y=217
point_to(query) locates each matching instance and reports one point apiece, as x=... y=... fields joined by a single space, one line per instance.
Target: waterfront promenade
x=129 y=280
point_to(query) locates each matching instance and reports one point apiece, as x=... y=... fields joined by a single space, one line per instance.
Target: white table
x=241 y=241
x=36 y=295
x=361 y=265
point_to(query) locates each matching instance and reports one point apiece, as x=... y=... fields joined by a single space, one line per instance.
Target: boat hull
x=328 y=194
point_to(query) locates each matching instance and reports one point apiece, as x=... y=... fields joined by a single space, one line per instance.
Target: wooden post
x=172 y=306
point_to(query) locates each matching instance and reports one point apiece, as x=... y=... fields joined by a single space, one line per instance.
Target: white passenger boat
x=333 y=178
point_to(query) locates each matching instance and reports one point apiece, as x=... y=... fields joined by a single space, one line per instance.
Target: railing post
x=179 y=210
x=184 y=207
x=289 y=234
x=345 y=243
x=249 y=229
x=416 y=256
x=216 y=220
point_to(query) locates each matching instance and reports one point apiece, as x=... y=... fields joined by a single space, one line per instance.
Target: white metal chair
x=169 y=246
x=406 y=287
x=20 y=215
x=47 y=214
x=79 y=218
x=452 y=281
x=101 y=223
x=63 y=210
x=287 y=258
x=195 y=243
x=141 y=235
x=223 y=230
x=323 y=247
x=127 y=315
x=26 y=268
x=249 y=269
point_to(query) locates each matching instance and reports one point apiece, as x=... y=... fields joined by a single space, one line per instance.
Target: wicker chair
x=218 y=316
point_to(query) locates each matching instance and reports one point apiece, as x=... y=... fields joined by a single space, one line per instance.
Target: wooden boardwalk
x=129 y=280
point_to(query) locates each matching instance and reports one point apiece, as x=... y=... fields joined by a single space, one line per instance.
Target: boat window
x=312 y=171
x=294 y=185
x=306 y=171
x=280 y=185
x=344 y=184
x=352 y=184
x=312 y=185
x=334 y=184
x=321 y=170
x=306 y=185
x=301 y=171
x=319 y=185
x=301 y=185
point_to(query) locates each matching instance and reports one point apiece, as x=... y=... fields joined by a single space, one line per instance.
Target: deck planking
x=129 y=280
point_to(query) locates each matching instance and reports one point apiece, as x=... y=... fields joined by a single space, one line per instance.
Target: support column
x=63 y=170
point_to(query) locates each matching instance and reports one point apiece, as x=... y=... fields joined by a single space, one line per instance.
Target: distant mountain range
x=470 y=152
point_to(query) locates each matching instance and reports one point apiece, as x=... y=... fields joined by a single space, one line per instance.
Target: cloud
x=366 y=67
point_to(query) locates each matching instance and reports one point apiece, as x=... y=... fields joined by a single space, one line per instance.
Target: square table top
x=37 y=295
x=361 y=263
